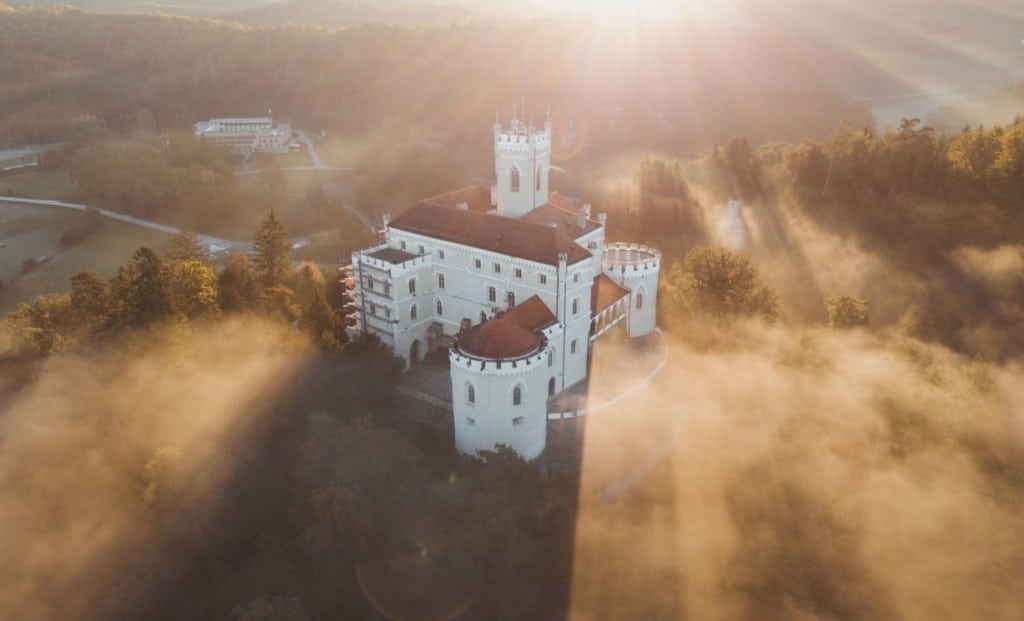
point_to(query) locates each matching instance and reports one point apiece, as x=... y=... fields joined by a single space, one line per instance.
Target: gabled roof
x=604 y=293
x=525 y=240
x=561 y=213
x=533 y=314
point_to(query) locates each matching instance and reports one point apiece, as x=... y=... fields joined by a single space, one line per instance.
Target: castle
x=515 y=280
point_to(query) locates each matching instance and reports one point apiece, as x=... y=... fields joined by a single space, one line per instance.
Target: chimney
x=581 y=217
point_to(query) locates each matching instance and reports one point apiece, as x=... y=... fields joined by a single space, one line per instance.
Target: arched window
x=551 y=387
x=440 y=309
x=483 y=316
x=517 y=395
x=639 y=300
x=412 y=312
x=470 y=393
x=513 y=178
x=540 y=172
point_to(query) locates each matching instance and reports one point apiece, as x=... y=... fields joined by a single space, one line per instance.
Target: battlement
x=521 y=134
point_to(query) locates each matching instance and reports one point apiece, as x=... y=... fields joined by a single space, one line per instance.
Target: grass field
x=34 y=232
x=50 y=184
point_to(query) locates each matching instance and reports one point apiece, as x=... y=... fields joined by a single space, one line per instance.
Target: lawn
x=34 y=232
x=52 y=184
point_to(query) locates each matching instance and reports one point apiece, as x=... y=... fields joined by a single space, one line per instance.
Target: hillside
x=679 y=87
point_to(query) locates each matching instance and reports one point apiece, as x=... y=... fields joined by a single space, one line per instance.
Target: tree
x=90 y=299
x=237 y=285
x=846 y=312
x=273 y=262
x=717 y=282
x=185 y=246
x=306 y=282
x=144 y=289
x=193 y=288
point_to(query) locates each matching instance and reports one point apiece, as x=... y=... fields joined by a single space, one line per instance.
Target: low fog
x=103 y=457
x=800 y=473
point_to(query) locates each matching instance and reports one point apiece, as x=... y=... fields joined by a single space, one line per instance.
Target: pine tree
x=273 y=263
x=186 y=247
x=237 y=285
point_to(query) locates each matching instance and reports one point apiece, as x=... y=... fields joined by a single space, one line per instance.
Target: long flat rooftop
x=392 y=255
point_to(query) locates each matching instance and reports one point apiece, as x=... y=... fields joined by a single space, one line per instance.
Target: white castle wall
x=492 y=418
x=636 y=267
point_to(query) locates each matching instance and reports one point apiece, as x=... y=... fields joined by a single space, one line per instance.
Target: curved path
x=217 y=246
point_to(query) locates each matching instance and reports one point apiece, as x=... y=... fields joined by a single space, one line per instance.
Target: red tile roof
x=604 y=293
x=499 y=338
x=533 y=314
x=563 y=214
x=525 y=240
x=474 y=197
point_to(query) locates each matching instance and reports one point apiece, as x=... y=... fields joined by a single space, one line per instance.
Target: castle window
x=412 y=312
x=551 y=357
x=575 y=306
x=572 y=347
x=387 y=312
x=551 y=387
x=639 y=301
x=543 y=279
x=369 y=284
x=518 y=421
x=387 y=288
x=440 y=281
x=440 y=254
x=492 y=294
x=476 y=263
x=576 y=277
x=412 y=285
x=540 y=173
x=421 y=249
x=373 y=308
x=519 y=273
x=403 y=245
x=517 y=395
x=440 y=309
x=513 y=178
x=483 y=316
x=497 y=268
x=470 y=394
x=511 y=298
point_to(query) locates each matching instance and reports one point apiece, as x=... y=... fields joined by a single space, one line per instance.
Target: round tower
x=636 y=268
x=499 y=389
x=522 y=160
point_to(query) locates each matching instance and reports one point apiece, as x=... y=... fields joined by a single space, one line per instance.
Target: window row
x=517 y=392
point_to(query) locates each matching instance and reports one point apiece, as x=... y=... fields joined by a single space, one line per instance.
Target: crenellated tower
x=522 y=160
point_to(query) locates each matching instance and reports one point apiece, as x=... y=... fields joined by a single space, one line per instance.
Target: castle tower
x=522 y=160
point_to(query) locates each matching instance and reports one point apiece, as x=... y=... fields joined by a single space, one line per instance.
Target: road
x=217 y=246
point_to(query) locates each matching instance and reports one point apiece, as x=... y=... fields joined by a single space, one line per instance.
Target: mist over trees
x=60 y=64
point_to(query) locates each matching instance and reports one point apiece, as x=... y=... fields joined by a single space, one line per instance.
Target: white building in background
x=246 y=135
x=515 y=281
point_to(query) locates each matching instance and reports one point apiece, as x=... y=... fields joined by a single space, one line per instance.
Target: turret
x=522 y=160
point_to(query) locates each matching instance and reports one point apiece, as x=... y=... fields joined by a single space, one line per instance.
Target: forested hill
x=675 y=87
